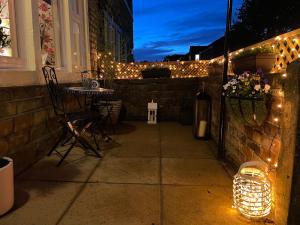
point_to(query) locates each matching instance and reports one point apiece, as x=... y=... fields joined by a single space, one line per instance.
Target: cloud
x=164 y=27
x=157 y=50
x=151 y=53
x=201 y=37
x=167 y=6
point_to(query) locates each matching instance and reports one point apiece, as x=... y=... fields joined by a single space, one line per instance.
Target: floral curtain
x=47 y=32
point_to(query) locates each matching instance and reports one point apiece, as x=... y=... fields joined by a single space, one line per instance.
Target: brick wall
x=28 y=127
x=244 y=143
x=169 y=93
x=95 y=30
x=120 y=14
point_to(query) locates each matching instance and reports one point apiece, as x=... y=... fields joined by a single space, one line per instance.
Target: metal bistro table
x=92 y=93
x=95 y=95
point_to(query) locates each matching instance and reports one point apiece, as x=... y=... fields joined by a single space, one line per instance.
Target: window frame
x=79 y=53
x=7 y=62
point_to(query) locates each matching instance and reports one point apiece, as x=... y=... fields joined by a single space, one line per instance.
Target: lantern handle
x=260 y=165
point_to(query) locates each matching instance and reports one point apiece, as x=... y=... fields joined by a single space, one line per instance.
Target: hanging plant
x=248 y=97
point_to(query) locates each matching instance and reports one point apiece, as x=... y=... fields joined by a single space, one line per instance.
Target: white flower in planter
x=226 y=86
x=267 y=88
x=257 y=87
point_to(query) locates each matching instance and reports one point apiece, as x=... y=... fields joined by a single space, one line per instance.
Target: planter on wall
x=249 y=111
x=252 y=63
x=6 y=185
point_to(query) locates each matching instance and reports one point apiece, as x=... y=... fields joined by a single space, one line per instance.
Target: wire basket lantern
x=252 y=190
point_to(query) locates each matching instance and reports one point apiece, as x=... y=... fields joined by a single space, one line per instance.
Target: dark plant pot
x=215 y=70
x=249 y=111
x=252 y=63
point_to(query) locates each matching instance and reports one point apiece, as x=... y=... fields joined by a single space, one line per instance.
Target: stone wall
x=168 y=93
x=28 y=127
x=273 y=142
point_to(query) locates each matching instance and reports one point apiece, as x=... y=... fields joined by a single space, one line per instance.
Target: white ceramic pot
x=6 y=185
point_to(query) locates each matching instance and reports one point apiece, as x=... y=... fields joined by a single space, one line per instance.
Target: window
x=8 y=41
x=197 y=57
x=78 y=37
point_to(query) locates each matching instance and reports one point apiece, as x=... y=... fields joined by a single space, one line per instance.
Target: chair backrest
x=55 y=91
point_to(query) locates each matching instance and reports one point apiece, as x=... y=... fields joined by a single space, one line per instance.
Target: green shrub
x=256 y=51
x=156 y=73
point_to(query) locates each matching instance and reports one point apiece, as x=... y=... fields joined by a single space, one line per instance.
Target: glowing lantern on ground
x=252 y=190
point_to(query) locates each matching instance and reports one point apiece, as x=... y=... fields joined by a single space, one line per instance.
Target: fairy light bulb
x=269 y=159
x=276 y=165
x=279 y=106
x=276 y=119
x=284 y=75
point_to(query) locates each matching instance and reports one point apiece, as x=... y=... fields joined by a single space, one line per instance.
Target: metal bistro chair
x=74 y=124
x=102 y=105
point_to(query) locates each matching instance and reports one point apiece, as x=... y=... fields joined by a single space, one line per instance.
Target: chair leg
x=88 y=146
x=96 y=142
x=67 y=153
x=109 y=111
x=62 y=137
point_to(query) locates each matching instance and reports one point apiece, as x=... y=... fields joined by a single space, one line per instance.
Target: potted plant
x=247 y=98
x=215 y=68
x=6 y=185
x=262 y=58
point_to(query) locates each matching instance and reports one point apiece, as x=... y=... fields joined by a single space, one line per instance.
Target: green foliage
x=156 y=73
x=256 y=51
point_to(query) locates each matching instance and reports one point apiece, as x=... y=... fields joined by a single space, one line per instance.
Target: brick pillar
x=289 y=119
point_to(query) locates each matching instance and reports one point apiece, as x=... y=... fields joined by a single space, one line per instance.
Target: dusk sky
x=164 y=27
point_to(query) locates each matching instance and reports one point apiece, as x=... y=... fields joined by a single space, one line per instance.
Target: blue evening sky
x=164 y=27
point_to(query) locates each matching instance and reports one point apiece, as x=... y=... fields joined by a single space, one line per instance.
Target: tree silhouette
x=266 y=18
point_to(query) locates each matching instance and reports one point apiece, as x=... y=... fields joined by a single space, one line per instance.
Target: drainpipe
x=221 y=144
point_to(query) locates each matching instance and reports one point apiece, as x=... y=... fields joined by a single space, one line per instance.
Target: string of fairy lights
x=288 y=49
x=276 y=121
x=179 y=69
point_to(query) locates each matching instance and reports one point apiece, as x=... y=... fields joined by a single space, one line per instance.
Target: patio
x=150 y=175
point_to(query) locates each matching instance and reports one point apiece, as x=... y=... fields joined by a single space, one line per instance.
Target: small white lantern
x=252 y=190
x=152 y=112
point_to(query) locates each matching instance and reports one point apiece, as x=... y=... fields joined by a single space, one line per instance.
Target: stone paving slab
x=76 y=167
x=115 y=205
x=127 y=170
x=151 y=175
x=207 y=205
x=194 y=172
x=40 y=203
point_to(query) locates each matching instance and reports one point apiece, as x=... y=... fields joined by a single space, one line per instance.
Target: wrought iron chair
x=103 y=105
x=74 y=124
